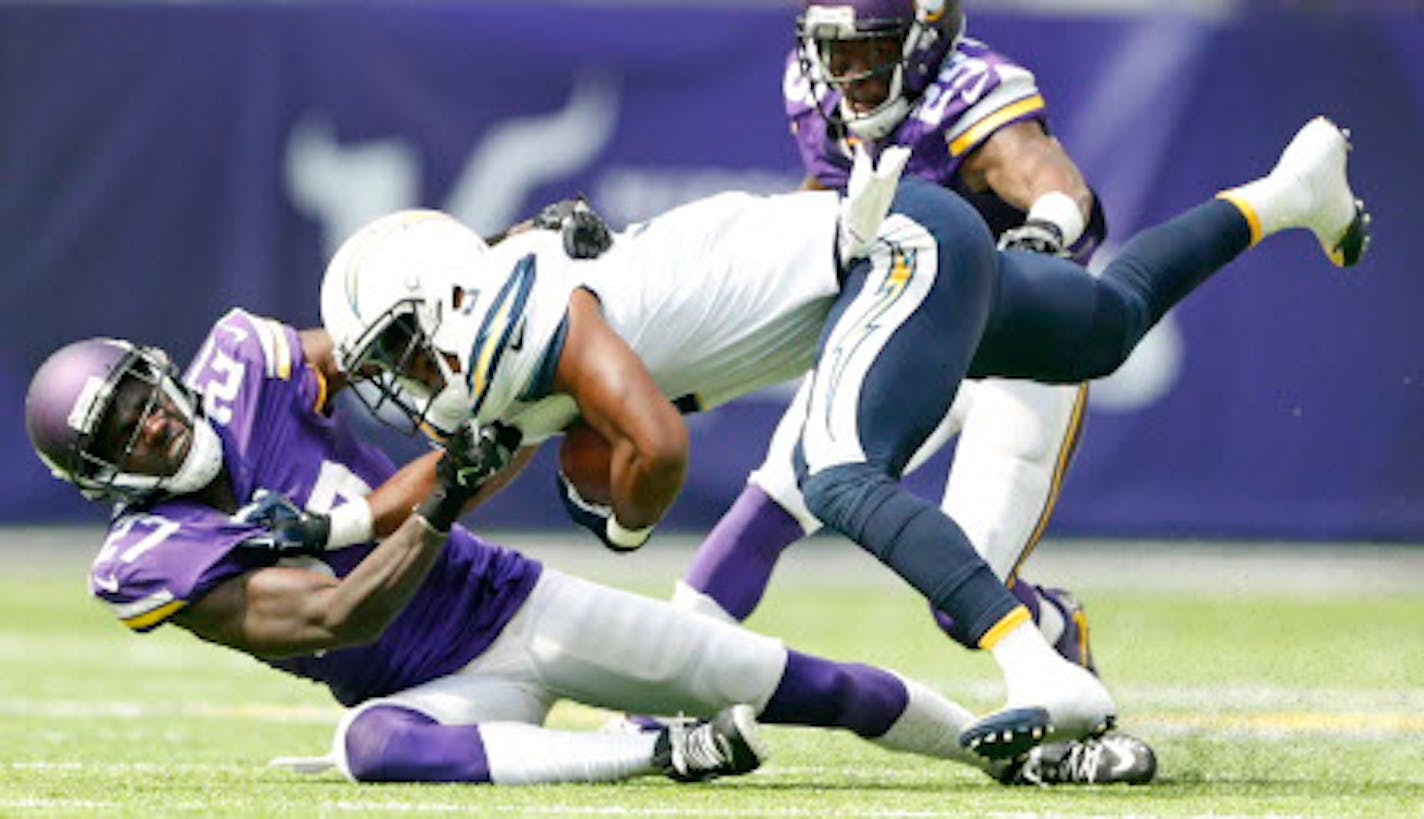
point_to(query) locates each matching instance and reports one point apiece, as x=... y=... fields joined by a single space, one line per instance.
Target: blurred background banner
x=162 y=163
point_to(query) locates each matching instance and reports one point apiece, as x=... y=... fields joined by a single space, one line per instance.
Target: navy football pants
x=936 y=303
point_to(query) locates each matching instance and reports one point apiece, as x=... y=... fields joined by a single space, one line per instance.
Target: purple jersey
x=262 y=400
x=976 y=93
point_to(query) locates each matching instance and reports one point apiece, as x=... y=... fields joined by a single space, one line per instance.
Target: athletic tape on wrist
x=351 y=523
x=625 y=538
x=1060 y=209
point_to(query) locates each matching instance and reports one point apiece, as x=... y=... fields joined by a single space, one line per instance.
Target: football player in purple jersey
x=882 y=73
x=249 y=514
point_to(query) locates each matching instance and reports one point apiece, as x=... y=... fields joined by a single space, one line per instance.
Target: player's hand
x=869 y=192
x=1035 y=236
x=585 y=233
x=472 y=456
x=599 y=519
x=475 y=454
x=289 y=529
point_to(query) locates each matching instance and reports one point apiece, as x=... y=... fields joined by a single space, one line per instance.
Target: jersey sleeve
x=156 y=561
x=820 y=155
x=976 y=94
x=248 y=364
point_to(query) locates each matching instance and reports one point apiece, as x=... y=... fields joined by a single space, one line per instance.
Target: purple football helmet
x=914 y=37
x=74 y=391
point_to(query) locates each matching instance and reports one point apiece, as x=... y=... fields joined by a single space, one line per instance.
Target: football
x=584 y=458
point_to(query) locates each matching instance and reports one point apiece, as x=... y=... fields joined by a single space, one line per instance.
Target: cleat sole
x=1356 y=240
x=1007 y=734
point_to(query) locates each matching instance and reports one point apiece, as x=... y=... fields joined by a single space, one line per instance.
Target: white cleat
x=1314 y=163
x=1072 y=705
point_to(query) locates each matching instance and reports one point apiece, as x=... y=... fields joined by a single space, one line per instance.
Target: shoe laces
x=697 y=748
x=1079 y=764
x=1082 y=762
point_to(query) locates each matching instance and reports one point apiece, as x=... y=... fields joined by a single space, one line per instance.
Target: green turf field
x=1282 y=704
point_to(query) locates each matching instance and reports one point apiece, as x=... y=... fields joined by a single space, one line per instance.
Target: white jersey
x=719 y=298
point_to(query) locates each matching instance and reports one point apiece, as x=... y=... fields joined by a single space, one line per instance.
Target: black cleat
x=1106 y=760
x=696 y=751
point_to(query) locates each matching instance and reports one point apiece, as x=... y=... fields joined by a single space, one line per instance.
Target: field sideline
x=1273 y=680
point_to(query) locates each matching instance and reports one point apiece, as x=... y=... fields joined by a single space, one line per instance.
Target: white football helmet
x=448 y=332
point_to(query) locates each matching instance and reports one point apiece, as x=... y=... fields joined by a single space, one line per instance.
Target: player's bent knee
x=957 y=228
x=843 y=496
x=391 y=743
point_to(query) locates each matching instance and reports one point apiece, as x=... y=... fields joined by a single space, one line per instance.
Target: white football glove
x=867 y=199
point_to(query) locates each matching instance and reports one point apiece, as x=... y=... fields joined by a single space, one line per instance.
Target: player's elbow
x=336 y=623
x=663 y=456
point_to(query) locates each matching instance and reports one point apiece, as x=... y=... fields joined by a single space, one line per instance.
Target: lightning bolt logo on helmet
x=422 y=316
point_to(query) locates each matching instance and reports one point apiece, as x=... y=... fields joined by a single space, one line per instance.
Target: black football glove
x=289 y=528
x=471 y=457
x=1035 y=236
x=585 y=234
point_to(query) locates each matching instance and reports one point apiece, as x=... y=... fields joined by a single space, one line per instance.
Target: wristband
x=1059 y=209
x=351 y=523
x=623 y=539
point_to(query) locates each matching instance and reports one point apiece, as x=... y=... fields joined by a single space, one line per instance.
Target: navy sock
x=1158 y=267
x=1053 y=323
x=916 y=539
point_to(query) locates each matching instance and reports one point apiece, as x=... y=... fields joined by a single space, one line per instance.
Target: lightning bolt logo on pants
x=902 y=269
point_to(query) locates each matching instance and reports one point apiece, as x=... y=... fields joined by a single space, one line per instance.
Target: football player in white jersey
x=888 y=73
x=895 y=302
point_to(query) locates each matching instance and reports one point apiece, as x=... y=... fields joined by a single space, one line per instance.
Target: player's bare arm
x=392 y=501
x=1021 y=163
x=619 y=399
x=282 y=612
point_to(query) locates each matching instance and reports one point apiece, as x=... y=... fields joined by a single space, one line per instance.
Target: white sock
x=521 y=754
x=1026 y=659
x=930 y=726
x=1270 y=204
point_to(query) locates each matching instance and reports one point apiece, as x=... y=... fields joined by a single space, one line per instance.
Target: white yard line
x=556 y=809
x=1255 y=709
x=1184 y=565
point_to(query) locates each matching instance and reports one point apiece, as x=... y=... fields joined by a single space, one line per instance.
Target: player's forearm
x=645 y=482
x=359 y=608
x=392 y=501
x=1036 y=169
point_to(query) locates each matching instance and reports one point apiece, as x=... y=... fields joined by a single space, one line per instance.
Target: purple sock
x=827 y=694
x=734 y=563
x=1027 y=593
x=392 y=744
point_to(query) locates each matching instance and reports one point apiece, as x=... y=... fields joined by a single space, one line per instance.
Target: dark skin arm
x=1020 y=163
x=391 y=502
x=618 y=398
x=283 y=612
